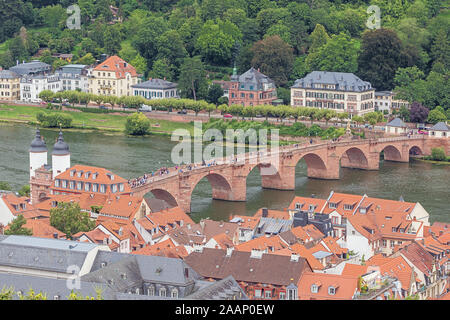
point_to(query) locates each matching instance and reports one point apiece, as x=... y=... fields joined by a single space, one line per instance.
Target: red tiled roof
x=345 y=286
x=78 y=173
x=117 y=65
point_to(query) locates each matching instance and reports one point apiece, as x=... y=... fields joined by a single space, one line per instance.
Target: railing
x=263 y=157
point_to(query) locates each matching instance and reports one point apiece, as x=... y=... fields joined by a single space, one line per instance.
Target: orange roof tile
x=303 y=252
x=274 y=214
x=170 y=218
x=345 y=286
x=262 y=243
x=354 y=270
x=42 y=229
x=247 y=222
x=93 y=175
x=117 y=65
x=306 y=202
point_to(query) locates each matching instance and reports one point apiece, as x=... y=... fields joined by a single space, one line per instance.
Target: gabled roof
x=211 y=228
x=440 y=126
x=345 y=287
x=274 y=214
x=270 y=244
x=225 y=289
x=117 y=65
x=396 y=122
x=214 y=263
x=419 y=257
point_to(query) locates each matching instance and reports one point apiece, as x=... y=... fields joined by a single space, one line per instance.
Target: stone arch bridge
x=228 y=177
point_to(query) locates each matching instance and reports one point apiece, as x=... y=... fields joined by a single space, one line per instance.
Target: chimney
x=294 y=257
x=186 y=272
x=229 y=252
x=265 y=212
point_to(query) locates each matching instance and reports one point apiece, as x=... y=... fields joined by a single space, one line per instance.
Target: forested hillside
x=206 y=38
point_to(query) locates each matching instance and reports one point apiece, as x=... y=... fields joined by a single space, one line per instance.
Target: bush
x=438 y=154
x=54 y=120
x=137 y=124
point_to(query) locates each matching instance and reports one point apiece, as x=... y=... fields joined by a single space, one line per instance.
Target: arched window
x=151 y=291
x=174 y=293
x=162 y=292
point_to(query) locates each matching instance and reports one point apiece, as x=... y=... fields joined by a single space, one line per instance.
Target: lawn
x=100 y=121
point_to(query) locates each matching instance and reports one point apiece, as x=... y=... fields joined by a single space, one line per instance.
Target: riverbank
x=112 y=122
x=447 y=162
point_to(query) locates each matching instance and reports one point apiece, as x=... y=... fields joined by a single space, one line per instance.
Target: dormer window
x=87 y=174
x=94 y=176
x=348 y=206
x=57 y=183
x=314 y=288
x=332 y=205
x=331 y=290
x=298 y=205
x=72 y=173
x=121 y=187
x=362 y=210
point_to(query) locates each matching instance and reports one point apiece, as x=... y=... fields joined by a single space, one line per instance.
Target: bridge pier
x=371 y=162
x=331 y=172
x=284 y=179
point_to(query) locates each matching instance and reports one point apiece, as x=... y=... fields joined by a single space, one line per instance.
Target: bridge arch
x=220 y=185
x=391 y=153
x=354 y=157
x=165 y=195
x=270 y=175
x=415 y=150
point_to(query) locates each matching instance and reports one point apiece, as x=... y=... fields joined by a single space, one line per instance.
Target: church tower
x=60 y=156
x=38 y=153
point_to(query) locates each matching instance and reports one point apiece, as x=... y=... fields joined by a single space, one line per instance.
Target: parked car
x=65 y=104
x=103 y=107
x=43 y=103
x=422 y=132
x=227 y=115
x=259 y=116
x=182 y=112
x=145 y=108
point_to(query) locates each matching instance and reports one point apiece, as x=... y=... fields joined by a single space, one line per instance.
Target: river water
x=130 y=157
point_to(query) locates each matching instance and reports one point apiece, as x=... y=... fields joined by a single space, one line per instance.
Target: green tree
x=5 y=186
x=24 y=191
x=435 y=116
x=274 y=57
x=340 y=53
x=16 y=227
x=140 y=64
x=381 y=56
x=171 y=47
x=87 y=59
x=319 y=37
x=215 y=91
x=192 y=82
x=67 y=217
x=438 y=154
x=137 y=124
x=162 y=69
x=216 y=40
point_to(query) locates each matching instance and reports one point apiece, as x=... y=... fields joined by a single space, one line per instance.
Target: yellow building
x=9 y=85
x=113 y=77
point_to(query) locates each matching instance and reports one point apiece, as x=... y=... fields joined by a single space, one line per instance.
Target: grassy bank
x=89 y=121
x=434 y=161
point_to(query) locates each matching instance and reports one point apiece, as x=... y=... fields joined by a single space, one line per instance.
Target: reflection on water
x=130 y=157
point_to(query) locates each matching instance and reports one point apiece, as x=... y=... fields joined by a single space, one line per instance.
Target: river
x=130 y=157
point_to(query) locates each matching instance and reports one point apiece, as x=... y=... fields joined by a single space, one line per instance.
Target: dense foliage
x=69 y=218
x=195 y=41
